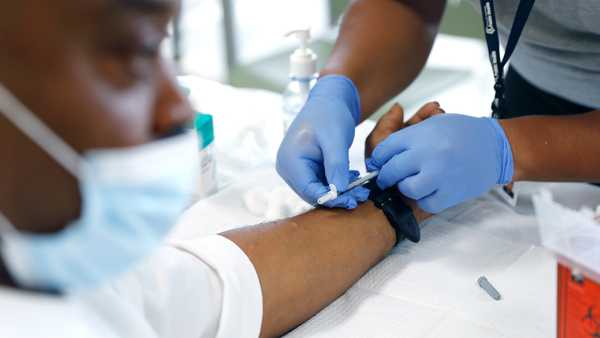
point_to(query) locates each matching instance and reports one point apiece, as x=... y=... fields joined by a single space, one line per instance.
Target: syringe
x=333 y=193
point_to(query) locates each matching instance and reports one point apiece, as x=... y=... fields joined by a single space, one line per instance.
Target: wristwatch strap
x=398 y=213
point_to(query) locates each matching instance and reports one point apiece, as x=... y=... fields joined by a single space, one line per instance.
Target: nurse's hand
x=314 y=152
x=393 y=121
x=444 y=160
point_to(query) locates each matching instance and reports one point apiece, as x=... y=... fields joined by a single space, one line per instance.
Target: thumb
x=389 y=123
x=337 y=165
x=428 y=110
x=392 y=121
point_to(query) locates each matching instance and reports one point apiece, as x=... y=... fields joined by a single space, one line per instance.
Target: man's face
x=91 y=70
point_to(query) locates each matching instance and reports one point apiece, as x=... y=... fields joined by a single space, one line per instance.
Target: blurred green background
x=460 y=19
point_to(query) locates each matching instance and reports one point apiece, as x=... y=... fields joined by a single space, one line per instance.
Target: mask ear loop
x=6 y=227
x=7 y=269
x=38 y=132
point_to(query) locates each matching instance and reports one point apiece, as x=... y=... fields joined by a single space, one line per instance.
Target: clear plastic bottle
x=207 y=182
x=303 y=77
x=294 y=98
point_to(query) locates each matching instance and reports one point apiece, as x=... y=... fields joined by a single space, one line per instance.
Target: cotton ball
x=256 y=201
x=276 y=207
x=296 y=204
x=302 y=208
x=282 y=192
x=284 y=203
x=251 y=146
x=276 y=212
x=277 y=203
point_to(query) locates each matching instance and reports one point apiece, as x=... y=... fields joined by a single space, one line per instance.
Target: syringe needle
x=333 y=193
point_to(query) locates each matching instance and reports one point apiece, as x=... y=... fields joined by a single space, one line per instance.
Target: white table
x=420 y=290
x=429 y=289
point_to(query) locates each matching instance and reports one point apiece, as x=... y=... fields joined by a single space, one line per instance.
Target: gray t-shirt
x=559 y=50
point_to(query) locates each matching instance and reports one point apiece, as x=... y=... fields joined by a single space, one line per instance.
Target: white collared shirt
x=205 y=287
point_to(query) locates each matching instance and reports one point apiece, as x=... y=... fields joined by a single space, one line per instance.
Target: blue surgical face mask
x=131 y=197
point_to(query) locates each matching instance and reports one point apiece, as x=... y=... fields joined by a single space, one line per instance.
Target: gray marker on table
x=489 y=288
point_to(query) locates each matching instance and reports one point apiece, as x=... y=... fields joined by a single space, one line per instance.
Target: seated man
x=94 y=174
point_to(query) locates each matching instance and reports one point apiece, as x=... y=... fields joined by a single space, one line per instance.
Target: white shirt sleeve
x=205 y=287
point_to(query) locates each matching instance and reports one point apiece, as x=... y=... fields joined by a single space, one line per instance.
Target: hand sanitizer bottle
x=303 y=77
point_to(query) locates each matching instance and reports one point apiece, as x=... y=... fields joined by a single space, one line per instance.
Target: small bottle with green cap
x=207 y=184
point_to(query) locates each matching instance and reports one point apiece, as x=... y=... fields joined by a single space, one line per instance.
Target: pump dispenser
x=303 y=62
x=303 y=76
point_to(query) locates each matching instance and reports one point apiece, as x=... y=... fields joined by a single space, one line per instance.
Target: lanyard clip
x=497 y=107
x=498 y=103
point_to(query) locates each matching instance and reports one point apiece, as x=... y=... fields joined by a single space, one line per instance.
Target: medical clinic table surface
x=427 y=289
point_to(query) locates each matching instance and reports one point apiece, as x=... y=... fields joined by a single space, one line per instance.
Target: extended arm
x=304 y=263
x=383 y=45
x=555 y=148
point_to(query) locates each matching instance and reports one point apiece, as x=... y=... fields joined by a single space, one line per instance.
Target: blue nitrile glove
x=444 y=160
x=314 y=152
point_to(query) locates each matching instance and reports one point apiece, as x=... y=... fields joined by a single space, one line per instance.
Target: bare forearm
x=304 y=263
x=555 y=148
x=383 y=45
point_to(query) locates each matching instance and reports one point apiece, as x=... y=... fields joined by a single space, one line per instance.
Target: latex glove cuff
x=507 y=166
